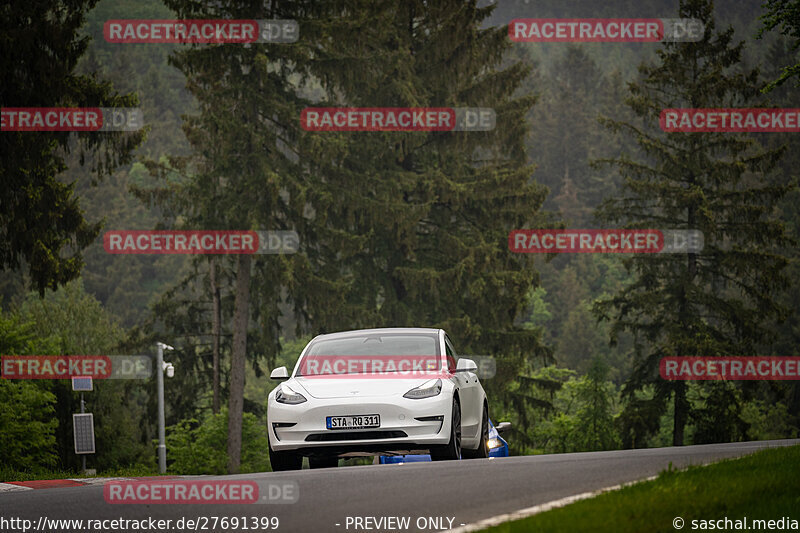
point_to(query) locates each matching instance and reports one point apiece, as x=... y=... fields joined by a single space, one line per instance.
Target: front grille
x=355 y=435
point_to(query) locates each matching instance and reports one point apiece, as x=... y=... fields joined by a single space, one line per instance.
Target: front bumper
x=400 y=429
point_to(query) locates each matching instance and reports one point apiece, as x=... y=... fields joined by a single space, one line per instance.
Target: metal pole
x=162 y=446
x=83 y=456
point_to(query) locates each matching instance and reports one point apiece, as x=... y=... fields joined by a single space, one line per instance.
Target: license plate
x=353 y=422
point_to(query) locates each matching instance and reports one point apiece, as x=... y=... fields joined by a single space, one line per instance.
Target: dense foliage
x=397 y=229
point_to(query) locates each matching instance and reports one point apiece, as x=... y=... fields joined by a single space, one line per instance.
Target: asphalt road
x=458 y=492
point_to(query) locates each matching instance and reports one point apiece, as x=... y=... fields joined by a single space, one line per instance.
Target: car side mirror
x=279 y=373
x=502 y=427
x=466 y=365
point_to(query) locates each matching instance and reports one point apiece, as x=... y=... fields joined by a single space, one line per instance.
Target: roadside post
x=83 y=423
x=162 y=367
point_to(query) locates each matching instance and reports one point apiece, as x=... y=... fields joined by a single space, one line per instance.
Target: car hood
x=354 y=387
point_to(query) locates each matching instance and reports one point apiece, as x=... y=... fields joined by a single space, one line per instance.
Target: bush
x=201 y=447
x=27 y=410
x=28 y=421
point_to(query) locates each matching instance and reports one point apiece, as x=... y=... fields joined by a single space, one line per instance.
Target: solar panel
x=83 y=426
x=82 y=384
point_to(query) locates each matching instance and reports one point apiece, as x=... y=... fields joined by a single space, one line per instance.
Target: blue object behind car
x=498 y=447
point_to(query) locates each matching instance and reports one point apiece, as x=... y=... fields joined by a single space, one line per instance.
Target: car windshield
x=375 y=353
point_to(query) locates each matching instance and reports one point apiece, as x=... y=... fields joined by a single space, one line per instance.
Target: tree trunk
x=240 y=318
x=680 y=415
x=215 y=327
x=681 y=406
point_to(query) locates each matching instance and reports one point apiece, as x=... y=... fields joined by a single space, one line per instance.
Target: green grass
x=764 y=485
x=9 y=474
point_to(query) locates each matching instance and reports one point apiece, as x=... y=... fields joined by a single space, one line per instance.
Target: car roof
x=357 y=332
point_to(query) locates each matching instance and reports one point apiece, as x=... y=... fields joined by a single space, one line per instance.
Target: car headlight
x=287 y=395
x=428 y=389
x=494 y=443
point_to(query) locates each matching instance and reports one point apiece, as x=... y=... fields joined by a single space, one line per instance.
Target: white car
x=377 y=392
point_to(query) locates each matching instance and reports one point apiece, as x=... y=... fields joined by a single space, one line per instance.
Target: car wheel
x=323 y=462
x=451 y=450
x=282 y=461
x=483 y=449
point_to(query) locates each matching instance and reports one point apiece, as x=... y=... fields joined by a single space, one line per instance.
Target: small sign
x=83 y=427
x=82 y=383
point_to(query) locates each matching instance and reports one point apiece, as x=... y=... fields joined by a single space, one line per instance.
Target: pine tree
x=786 y=15
x=432 y=211
x=566 y=134
x=247 y=172
x=396 y=228
x=715 y=302
x=788 y=332
x=595 y=417
x=43 y=226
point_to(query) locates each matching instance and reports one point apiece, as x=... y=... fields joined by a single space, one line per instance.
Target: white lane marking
x=536 y=509
x=8 y=487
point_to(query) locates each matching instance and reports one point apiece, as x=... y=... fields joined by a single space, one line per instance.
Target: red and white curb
x=18 y=486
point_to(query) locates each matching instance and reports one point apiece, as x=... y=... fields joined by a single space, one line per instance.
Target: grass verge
x=9 y=474
x=764 y=485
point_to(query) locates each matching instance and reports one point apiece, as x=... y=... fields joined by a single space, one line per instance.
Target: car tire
x=323 y=462
x=452 y=450
x=283 y=461
x=483 y=449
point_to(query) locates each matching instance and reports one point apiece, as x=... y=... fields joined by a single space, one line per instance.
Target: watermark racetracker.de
x=213 y=31
x=201 y=491
x=364 y=366
x=619 y=241
x=71 y=119
x=398 y=119
x=198 y=522
x=201 y=242
x=605 y=30
x=729 y=368
x=69 y=366
x=745 y=120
